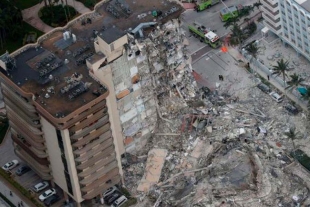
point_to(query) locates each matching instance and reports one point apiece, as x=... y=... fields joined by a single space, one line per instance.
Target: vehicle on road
x=205 y=35
x=276 y=96
x=291 y=109
x=229 y=12
x=47 y=194
x=119 y=202
x=205 y=4
x=22 y=170
x=40 y=186
x=51 y=200
x=10 y=165
x=264 y=88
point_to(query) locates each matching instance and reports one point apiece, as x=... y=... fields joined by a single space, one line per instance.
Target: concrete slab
x=154 y=165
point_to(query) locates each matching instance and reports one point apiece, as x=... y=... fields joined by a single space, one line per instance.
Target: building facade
x=290 y=20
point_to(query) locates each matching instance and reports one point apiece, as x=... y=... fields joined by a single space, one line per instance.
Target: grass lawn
x=12 y=45
x=89 y=3
x=24 y=4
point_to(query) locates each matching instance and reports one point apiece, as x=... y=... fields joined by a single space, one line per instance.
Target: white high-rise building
x=290 y=20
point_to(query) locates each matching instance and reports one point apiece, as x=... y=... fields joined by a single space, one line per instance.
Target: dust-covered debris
x=224 y=147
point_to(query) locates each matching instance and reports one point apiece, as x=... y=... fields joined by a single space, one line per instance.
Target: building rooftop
x=305 y=4
x=111 y=34
x=55 y=71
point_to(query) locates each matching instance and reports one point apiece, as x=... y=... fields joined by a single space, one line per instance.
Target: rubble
x=222 y=148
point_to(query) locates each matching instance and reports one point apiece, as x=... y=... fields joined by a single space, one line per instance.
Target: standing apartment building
x=290 y=20
x=64 y=122
x=79 y=98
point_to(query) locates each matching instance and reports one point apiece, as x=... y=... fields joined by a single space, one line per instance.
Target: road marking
x=199 y=49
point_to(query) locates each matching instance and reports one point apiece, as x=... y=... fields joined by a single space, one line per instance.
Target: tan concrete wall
x=103 y=46
x=54 y=154
x=105 y=76
x=71 y=166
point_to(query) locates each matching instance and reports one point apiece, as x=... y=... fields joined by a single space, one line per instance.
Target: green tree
x=281 y=69
x=295 y=81
x=237 y=36
x=292 y=135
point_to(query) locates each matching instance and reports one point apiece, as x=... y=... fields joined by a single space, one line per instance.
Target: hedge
x=20 y=188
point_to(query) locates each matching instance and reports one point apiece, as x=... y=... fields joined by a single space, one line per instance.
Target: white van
x=120 y=201
x=276 y=97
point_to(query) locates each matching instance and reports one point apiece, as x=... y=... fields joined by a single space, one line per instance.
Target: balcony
x=85 y=140
x=93 y=144
x=274 y=22
x=271 y=3
x=37 y=155
x=113 y=173
x=271 y=13
x=84 y=114
x=28 y=137
x=93 y=168
x=91 y=161
x=88 y=129
x=101 y=188
x=89 y=120
x=271 y=7
x=106 y=169
x=276 y=30
x=42 y=170
x=17 y=99
x=97 y=150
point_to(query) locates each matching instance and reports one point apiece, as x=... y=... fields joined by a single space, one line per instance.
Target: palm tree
x=252 y=50
x=292 y=135
x=231 y=21
x=281 y=69
x=295 y=81
x=237 y=36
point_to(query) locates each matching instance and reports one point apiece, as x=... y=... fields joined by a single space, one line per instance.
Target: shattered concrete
x=223 y=147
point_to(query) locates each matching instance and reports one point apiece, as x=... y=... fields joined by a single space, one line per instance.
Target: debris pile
x=220 y=149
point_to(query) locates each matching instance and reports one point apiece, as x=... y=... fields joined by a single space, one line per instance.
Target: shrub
x=20 y=188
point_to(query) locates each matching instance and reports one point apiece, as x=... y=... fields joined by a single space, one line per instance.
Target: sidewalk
x=273 y=80
x=30 y=15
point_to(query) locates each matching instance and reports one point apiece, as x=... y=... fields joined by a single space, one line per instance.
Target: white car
x=40 y=186
x=47 y=194
x=276 y=97
x=10 y=165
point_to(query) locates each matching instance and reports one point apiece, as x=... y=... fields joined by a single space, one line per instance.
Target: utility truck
x=205 y=4
x=205 y=35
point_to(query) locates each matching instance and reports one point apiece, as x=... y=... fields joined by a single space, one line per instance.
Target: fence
x=280 y=84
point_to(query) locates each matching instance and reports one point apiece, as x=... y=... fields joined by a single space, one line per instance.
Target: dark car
x=264 y=88
x=51 y=200
x=22 y=170
x=291 y=109
x=111 y=198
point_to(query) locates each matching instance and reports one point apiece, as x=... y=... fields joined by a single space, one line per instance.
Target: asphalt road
x=210 y=18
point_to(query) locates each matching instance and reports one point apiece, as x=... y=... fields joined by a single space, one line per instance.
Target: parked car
x=109 y=191
x=40 y=186
x=113 y=197
x=120 y=201
x=276 y=96
x=22 y=170
x=51 y=200
x=47 y=194
x=264 y=88
x=10 y=165
x=291 y=109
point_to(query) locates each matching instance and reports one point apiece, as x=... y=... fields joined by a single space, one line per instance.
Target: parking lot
x=27 y=180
